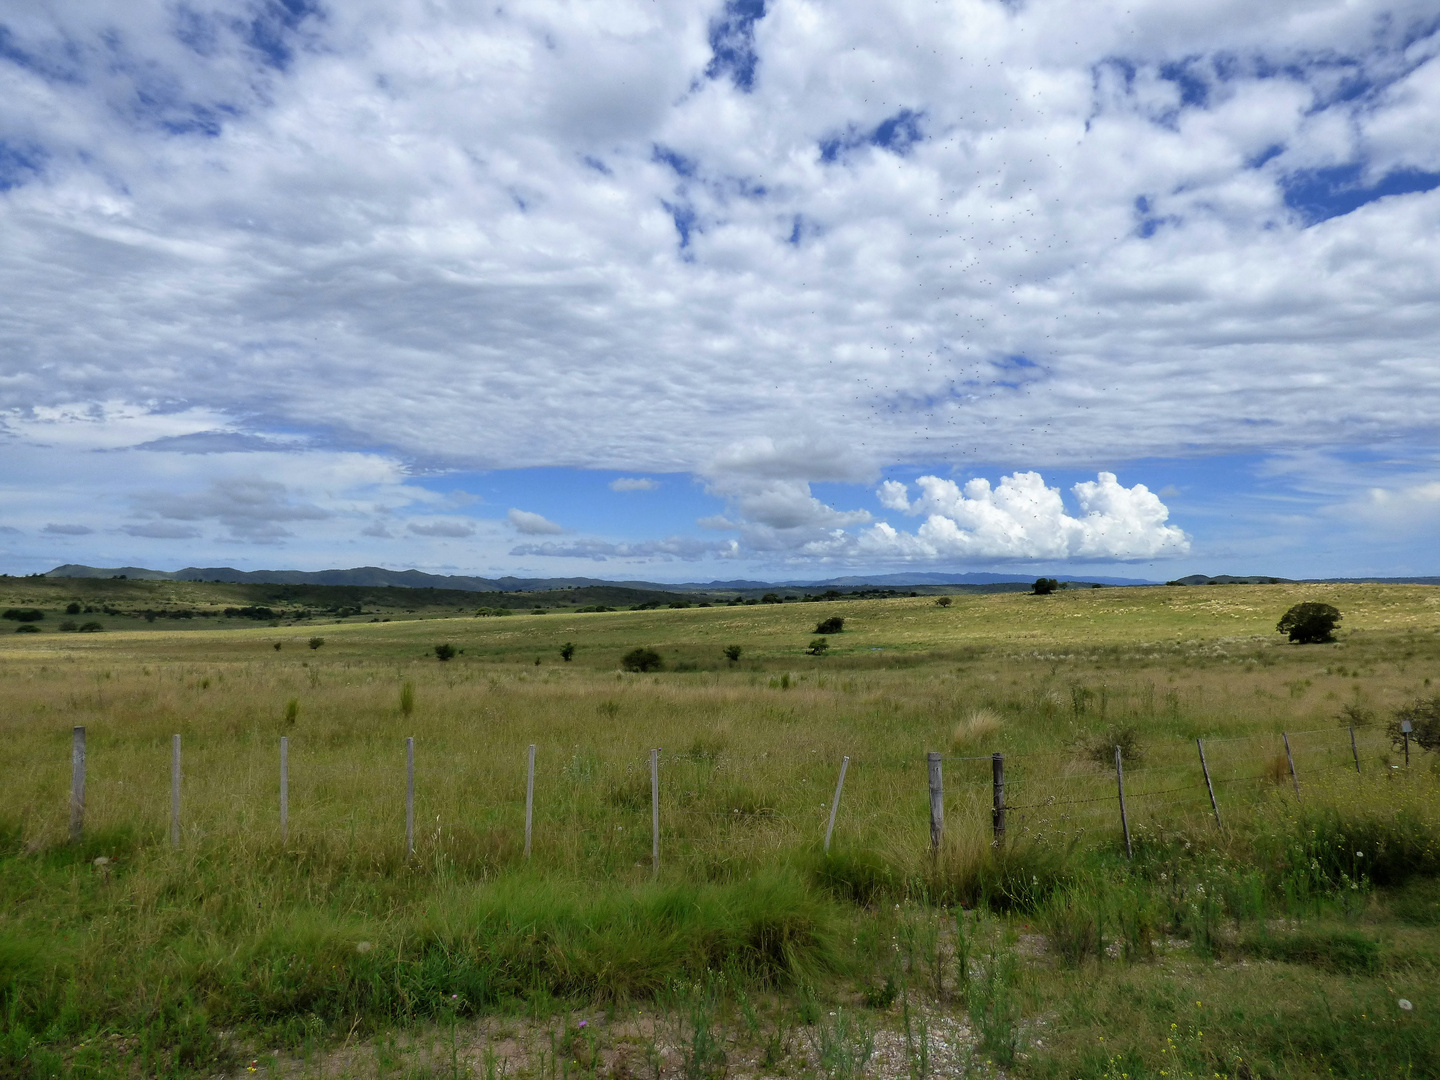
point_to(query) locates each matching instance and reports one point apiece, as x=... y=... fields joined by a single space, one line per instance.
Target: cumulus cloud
x=633 y=483
x=772 y=248
x=160 y=530
x=448 y=528
x=250 y=508
x=1022 y=518
x=676 y=547
x=533 y=524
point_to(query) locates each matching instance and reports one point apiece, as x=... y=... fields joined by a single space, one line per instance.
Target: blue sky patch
x=1320 y=194
x=18 y=166
x=732 y=43
x=897 y=134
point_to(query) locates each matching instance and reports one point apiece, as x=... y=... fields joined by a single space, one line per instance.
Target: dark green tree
x=1310 y=623
x=817 y=647
x=444 y=652
x=642 y=659
x=732 y=653
x=1424 y=717
x=1044 y=586
x=833 y=625
x=567 y=651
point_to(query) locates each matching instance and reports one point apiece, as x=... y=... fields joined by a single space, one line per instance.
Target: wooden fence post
x=1208 y=785
x=1289 y=757
x=175 y=791
x=1353 y=752
x=284 y=790
x=835 y=803
x=1124 y=819
x=655 y=810
x=937 y=803
x=529 y=798
x=409 y=795
x=77 y=785
x=1405 y=729
x=997 y=784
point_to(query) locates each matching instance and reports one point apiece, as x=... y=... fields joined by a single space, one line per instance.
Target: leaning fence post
x=1289 y=757
x=997 y=783
x=1405 y=729
x=937 y=803
x=410 y=795
x=1208 y=785
x=77 y=785
x=1353 y=752
x=655 y=810
x=1124 y=820
x=284 y=789
x=835 y=803
x=175 y=791
x=529 y=798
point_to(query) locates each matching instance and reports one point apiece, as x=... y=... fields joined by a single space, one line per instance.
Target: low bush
x=833 y=625
x=817 y=647
x=642 y=659
x=444 y=652
x=90 y=628
x=1424 y=717
x=23 y=614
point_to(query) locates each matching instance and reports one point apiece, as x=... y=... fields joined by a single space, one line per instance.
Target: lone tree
x=817 y=647
x=732 y=653
x=567 y=651
x=1310 y=623
x=316 y=642
x=642 y=659
x=444 y=652
x=1044 y=586
x=833 y=625
x=942 y=601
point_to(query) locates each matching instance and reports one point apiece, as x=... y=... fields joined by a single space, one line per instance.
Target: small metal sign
x=1405 y=727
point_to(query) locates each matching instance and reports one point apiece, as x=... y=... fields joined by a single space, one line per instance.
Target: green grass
x=1304 y=917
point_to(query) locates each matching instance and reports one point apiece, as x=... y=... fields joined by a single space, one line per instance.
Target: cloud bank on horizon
x=278 y=272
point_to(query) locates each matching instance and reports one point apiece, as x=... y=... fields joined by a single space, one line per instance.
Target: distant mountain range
x=377 y=577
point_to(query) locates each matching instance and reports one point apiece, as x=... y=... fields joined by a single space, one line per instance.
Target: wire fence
x=709 y=807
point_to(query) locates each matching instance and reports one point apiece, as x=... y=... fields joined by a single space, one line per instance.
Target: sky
x=681 y=291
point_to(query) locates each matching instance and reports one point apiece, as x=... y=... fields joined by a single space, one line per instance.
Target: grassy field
x=1278 y=945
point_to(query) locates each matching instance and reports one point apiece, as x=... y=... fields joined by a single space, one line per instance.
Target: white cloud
x=597 y=550
x=160 y=530
x=448 y=528
x=1021 y=518
x=633 y=483
x=533 y=524
x=532 y=234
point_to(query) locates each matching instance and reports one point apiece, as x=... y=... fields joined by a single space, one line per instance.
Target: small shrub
x=73 y=608
x=567 y=651
x=642 y=659
x=817 y=647
x=69 y=626
x=1102 y=750
x=1424 y=717
x=90 y=628
x=23 y=614
x=277 y=646
x=292 y=711
x=732 y=653
x=833 y=625
x=1310 y=623
x=27 y=628
x=446 y=652
x=407 y=698
x=316 y=642
x=943 y=601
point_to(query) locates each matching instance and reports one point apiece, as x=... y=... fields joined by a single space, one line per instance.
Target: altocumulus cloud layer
x=268 y=263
